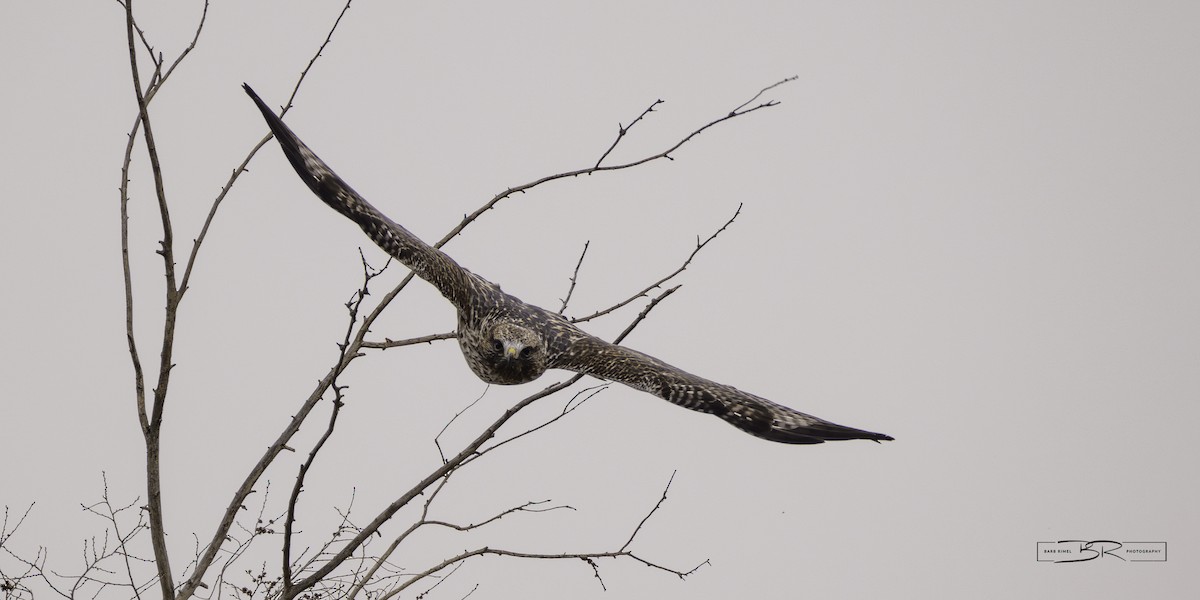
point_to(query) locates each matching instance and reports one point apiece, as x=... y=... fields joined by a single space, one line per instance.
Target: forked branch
x=352 y=307
x=737 y=112
x=641 y=294
x=241 y=168
x=588 y=558
x=209 y=554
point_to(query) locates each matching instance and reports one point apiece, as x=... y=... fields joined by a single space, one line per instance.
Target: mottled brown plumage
x=507 y=341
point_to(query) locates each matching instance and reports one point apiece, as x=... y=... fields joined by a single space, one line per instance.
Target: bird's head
x=516 y=354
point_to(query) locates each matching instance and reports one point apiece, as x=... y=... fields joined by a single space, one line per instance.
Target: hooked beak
x=511 y=350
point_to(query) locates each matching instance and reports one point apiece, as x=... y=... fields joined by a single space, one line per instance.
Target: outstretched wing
x=457 y=284
x=754 y=415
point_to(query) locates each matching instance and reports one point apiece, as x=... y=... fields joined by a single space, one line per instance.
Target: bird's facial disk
x=516 y=354
x=509 y=350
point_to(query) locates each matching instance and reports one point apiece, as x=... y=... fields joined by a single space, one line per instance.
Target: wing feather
x=752 y=414
x=457 y=284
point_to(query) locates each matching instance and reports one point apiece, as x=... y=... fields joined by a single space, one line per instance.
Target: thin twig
x=622 y=130
x=383 y=558
x=121 y=540
x=437 y=438
x=212 y=211
x=645 y=311
x=189 y=586
x=5 y=532
x=425 y=339
x=739 y=111
x=574 y=277
x=440 y=581
x=573 y=404
x=763 y=91
x=526 y=507
x=299 y=485
x=699 y=246
x=587 y=557
x=352 y=307
x=657 y=505
x=312 y=61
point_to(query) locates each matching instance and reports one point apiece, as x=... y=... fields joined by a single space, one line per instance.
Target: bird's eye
x=497 y=346
x=527 y=351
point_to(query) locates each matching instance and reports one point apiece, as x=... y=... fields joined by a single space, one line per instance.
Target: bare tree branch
x=574 y=403
x=13 y=585
x=587 y=557
x=110 y=514
x=189 y=586
x=151 y=433
x=622 y=130
x=531 y=506
x=646 y=311
x=212 y=211
x=387 y=513
x=352 y=307
x=737 y=112
x=574 y=276
x=313 y=61
x=763 y=91
x=442 y=580
x=96 y=553
x=437 y=438
x=699 y=246
x=5 y=532
x=425 y=339
x=657 y=505
x=262 y=527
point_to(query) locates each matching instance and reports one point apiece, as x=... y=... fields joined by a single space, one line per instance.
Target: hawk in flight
x=507 y=341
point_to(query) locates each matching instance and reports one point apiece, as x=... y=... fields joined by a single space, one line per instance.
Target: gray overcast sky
x=972 y=226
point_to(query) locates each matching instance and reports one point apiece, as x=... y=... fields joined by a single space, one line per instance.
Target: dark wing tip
x=820 y=432
x=262 y=106
x=761 y=417
x=250 y=92
x=295 y=150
